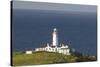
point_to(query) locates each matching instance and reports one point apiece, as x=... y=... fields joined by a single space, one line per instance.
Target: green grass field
x=38 y=58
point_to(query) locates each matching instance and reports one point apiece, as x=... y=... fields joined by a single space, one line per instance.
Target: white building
x=28 y=52
x=54 y=47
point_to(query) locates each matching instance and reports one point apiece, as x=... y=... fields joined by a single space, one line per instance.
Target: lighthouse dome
x=55 y=29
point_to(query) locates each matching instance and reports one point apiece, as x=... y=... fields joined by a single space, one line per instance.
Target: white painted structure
x=54 y=46
x=55 y=37
x=63 y=49
x=28 y=52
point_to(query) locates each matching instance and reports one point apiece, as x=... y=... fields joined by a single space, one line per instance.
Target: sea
x=33 y=29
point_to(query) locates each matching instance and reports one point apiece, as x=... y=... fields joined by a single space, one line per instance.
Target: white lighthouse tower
x=55 y=37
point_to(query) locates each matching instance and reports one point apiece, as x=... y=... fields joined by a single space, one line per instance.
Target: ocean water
x=33 y=28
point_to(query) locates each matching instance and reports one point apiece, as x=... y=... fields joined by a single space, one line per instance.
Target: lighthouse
x=55 y=37
x=54 y=46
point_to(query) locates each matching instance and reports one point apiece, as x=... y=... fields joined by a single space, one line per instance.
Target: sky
x=53 y=6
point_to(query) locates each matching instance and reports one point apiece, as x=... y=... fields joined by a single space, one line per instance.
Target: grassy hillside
x=20 y=58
